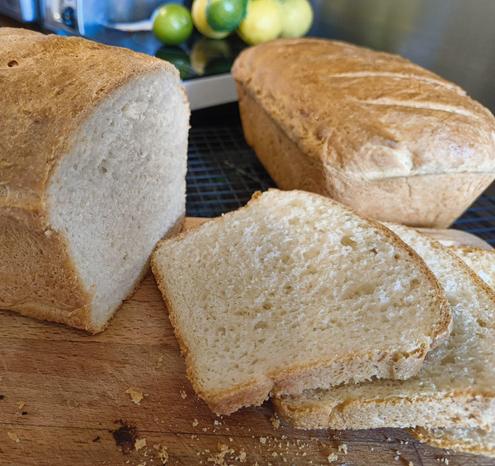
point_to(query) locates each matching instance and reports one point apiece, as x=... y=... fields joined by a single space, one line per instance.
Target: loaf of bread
x=371 y=130
x=93 y=146
x=455 y=387
x=295 y=291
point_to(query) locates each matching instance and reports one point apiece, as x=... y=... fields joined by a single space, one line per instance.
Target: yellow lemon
x=297 y=17
x=200 y=21
x=263 y=22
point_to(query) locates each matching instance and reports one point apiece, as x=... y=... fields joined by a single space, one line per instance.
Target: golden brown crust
x=50 y=85
x=292 y=379
x=313 y=126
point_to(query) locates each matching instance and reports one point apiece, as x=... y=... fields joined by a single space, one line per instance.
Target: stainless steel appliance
x=22 y=10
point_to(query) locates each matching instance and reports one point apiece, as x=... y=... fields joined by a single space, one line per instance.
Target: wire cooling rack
x=223 y=173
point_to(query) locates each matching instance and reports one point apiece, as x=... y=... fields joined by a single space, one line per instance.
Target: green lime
x=201 y=23
x=263 y=22
x=179 y=58
x=172 y=24
x=225 y=15
x=297 y=17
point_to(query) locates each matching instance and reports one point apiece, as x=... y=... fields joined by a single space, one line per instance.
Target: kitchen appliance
x=22 y=10
x=127 y=23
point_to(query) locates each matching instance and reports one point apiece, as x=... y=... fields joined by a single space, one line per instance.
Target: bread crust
x=294 y=379
x=50 y=86
x=445 y=441
x=390 y=161
x=444 y=409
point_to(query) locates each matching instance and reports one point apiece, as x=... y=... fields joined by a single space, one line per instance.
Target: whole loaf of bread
x=372 y=130
x=93 y=148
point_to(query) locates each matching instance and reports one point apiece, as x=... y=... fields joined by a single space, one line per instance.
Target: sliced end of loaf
x=121 y=187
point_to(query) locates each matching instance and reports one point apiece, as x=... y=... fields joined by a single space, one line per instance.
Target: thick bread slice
x=457 y=382
x=476 y=441
x=93 y=151
x=268 y=298
x=482 y=261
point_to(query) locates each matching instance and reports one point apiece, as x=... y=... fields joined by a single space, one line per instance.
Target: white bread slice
x=475 y=441
x=267 y=298
x=482 y=261
x=457 y=382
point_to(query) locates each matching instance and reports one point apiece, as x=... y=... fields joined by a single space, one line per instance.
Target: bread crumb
x=396 y=457
x=275 y=422
x=332 y=457
x=195 y=422
x=242 y=456
x=21 y=404
x=183 y=394
x=410 y=463
x=219 y=458
x=217 y=423
x=263 y=440
x=163 y=455
x=342 y=448
x=159 y=362
x=135 y=395
x=13 y=436
x=142 y=464
x=139 y=443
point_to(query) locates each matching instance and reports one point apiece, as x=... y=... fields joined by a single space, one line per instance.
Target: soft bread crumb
x=343 y=448
x=140 y=443
x=275 y=422
x=195 y=422
x=163 y=455
x=332 y=457
x=183 y=394
x=135 y=395
x=13 y=436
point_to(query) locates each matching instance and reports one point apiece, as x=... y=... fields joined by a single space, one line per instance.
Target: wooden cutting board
x=64 y=400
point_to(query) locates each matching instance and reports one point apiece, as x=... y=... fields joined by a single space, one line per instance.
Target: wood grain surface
x=64 y=401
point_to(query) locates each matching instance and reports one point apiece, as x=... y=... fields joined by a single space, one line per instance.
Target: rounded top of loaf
x=369 y=114
x=50 y=84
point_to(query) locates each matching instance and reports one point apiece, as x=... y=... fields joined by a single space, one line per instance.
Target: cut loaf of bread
x=295 y=291
x=93 y=143
x=456 y=385
x=469 y=440
x=482 y=261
